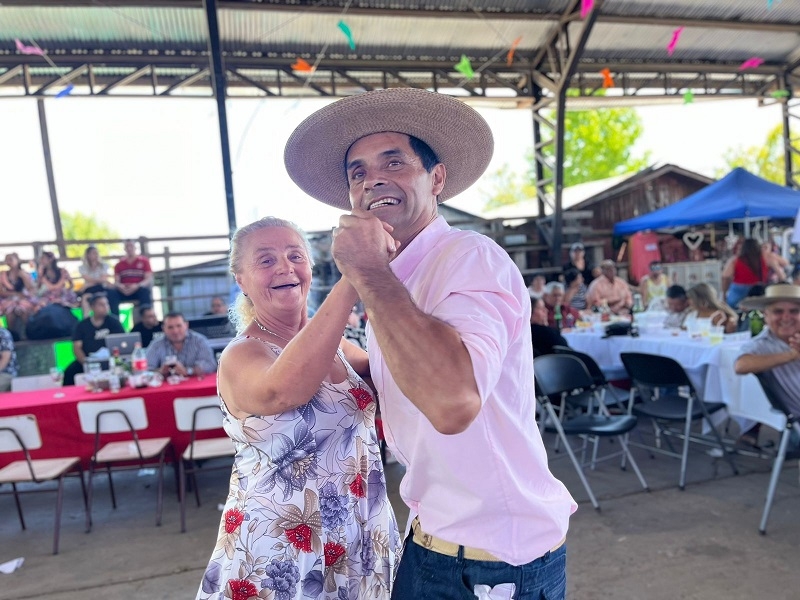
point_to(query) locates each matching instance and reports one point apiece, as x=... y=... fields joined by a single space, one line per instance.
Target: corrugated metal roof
x=629 y=36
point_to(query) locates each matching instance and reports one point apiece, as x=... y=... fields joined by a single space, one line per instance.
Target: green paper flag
x=688 y=97
x=465 y=67
x=346 y=31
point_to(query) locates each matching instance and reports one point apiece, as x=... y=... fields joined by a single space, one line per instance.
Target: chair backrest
x=26 y=383
x=197 y=413
x=558 y=373
x=591 y=365
x=19 y=428
x=653 y=370
x=112 y=420
x=774 y=393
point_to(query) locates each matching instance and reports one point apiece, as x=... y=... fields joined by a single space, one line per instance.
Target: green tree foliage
x=766 y=161
x=597 y=144
x=80 y=226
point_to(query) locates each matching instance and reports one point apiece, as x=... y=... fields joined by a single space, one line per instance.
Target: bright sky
x=152 y=166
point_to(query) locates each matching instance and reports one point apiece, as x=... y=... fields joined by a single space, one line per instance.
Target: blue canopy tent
x=739 y=196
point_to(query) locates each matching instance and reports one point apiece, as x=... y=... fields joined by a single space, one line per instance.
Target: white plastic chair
x=100 y=417
x=199 y=414
x=21 y=433
x=26 y=383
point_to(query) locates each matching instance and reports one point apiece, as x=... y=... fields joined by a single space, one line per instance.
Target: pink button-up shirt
x=488 y=487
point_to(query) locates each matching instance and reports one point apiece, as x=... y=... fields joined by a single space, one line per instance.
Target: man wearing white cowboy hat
x=777 y=347
x=448 y=339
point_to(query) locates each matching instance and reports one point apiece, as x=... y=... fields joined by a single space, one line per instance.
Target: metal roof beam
x=66 y=78
x=251 y=82
x=125 y=80
x=202 y=73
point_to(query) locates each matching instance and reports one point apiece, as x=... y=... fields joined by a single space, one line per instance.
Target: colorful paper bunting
x=608 y=80
x=34 y=50
x=346 y=31
x=465 y=67
x=688 y=97
x=301 y=65
x=510 y=55
x=586 y=7
x=674 y=41
x=66 y=91
x=751 y=63
x=780 y=94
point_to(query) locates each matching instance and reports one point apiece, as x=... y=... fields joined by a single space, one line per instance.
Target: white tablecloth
x=710 y=367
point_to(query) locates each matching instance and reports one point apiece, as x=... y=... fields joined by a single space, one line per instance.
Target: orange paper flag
x=302 y=66
x=608 y=81
x=510 y=55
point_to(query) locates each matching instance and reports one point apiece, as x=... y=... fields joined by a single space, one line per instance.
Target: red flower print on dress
x=362 y=396
x=333 y=552
x=357 y=486
x=241 y=589
x=233 y=518
x=300 y=537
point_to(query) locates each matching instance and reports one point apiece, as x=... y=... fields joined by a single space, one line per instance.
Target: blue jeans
x=736 y=292
x=424 y=574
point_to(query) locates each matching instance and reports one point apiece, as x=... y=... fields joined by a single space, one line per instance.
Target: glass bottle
x=557 y=316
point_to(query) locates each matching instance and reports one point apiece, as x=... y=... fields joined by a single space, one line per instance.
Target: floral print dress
x=307 y=514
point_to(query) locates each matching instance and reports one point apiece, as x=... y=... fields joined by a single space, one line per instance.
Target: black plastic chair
x=650 y=373
x=602 y=387
x=562 y=375
x=772 y=390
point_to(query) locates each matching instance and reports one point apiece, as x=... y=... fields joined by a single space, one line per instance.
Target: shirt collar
x=405 y=263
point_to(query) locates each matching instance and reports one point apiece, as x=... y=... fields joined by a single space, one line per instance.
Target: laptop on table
x=124 y=342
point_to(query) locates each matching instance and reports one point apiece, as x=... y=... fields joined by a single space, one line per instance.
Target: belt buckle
x=427 y=540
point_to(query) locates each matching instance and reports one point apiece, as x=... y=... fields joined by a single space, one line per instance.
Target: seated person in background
x=149 y=327
x=8 y=360
x=95 y=273
x=577 y=261
x=705 y=304
x=776 y=348
x=610 y=290
x=543 y=336
x=218 y=307
x=536 y=288
x=18 y=299
x=55 y=283
x=354 y=330
x=90 y=335
x=653 y=287
x=554 y=298
x=133 y=279
x=191 y=349
x=742 y=271
x=574 y=289
x=776 y=265
x=677 y=307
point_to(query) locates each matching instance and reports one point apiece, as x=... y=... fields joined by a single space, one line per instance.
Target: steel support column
x=790 y=113
x=51 y=180
x=552 y=70
x=218 y=81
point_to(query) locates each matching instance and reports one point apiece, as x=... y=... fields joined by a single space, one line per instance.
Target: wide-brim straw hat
x=779 y=292
x=316 y=150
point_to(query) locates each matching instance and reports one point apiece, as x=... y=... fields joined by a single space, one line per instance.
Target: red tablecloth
x=61 y=430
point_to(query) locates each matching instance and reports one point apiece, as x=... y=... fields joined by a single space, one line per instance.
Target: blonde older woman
x=703 y=299
x=307 y=511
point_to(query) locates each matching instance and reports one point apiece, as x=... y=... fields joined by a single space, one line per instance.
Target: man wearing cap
x=777 y=347
x=448 y=339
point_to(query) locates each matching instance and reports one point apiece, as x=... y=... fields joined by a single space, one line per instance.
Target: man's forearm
x=758 y=363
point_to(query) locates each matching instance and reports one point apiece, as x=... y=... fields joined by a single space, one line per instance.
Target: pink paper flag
x=674 y=41
x=586 y=7
x=751 y=63
x=28 y=49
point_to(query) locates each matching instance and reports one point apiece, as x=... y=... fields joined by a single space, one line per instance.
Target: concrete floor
x=701 y=543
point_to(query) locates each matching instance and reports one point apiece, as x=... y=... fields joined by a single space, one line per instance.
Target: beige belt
x=441 y=546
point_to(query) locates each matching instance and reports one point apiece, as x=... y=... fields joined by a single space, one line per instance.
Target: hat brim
x=315 y=152
x=761 y=302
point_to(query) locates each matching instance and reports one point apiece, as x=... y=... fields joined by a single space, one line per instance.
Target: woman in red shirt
x=743 y=271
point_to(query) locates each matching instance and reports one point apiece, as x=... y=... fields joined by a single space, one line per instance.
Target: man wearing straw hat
x=777 y=347
x=449 y=343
